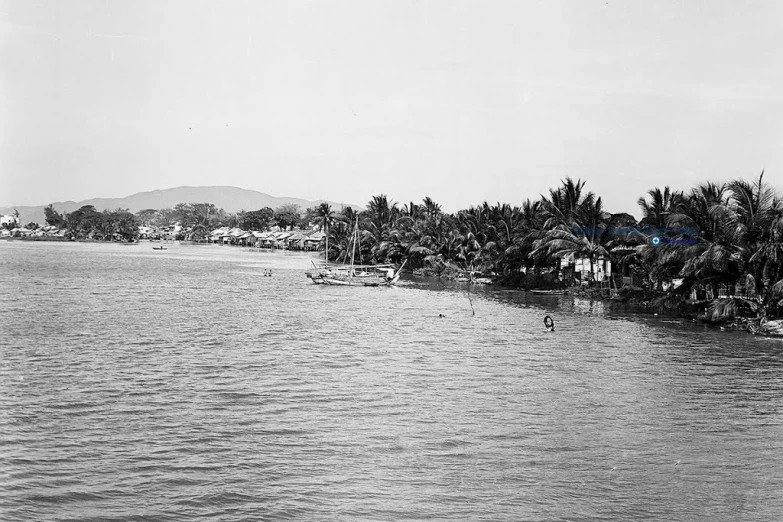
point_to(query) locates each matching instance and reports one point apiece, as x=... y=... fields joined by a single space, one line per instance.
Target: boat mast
x=356 y=239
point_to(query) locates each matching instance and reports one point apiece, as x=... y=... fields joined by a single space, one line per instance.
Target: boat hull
x=350 y=282
x=372 y=275
x=330 y=278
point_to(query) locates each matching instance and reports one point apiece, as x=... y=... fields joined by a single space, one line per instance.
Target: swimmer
x=441 y=315
x=549 y=323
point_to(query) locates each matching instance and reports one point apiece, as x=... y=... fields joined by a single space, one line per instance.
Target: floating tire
x=549 y=322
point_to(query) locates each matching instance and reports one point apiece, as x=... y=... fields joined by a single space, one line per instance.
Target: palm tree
x=769 y=256
x=564 y=203
x=411 y=210
x=585 y=236
x=431 y=209
x=576 y=225
x=325 y=216
x=378 y=220
x=528 y=230
x=752 y=214
x=704 y=247
x=661 y=206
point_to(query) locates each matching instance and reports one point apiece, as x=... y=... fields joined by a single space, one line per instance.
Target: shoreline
x=723 y=315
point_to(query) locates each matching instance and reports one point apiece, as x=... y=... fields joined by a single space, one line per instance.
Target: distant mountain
x=230 y=199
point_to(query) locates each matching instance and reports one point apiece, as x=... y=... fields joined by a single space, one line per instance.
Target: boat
x=159 y=248
x=354 y=275
x=549 y=292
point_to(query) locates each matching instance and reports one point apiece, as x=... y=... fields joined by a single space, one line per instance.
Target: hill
x=230 y=199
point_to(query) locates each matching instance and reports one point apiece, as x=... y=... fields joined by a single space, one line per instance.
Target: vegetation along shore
x=714 y=253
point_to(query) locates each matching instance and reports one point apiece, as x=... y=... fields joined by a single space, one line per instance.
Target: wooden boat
x=354 y=275
x=549 y=292
x=159 y=248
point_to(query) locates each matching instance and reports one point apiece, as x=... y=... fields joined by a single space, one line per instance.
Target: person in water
x=549 y=323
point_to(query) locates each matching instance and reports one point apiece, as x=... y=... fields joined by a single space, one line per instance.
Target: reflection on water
x=176 y=384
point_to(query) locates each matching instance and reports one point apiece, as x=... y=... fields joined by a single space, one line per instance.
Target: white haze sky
x=342 y=100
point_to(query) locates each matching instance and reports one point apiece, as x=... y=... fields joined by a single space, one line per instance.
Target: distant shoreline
x=650 y=303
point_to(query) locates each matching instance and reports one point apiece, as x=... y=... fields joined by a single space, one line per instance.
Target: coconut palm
x=662 y=205
x=753 y=214
x=378 y=220
x=340 y=238
x=324 y=218
x=564 y=203
x=411 y=210
x=431 y=209
x=528 y=230
x=582 y=231
x=704 y=248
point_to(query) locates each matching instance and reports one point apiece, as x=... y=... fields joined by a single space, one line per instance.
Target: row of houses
x=308 y=240
x=47 y=231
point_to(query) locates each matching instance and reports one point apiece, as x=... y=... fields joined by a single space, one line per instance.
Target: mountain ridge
x=229 y=198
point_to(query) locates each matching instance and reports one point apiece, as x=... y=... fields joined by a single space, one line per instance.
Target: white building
x=9 y=219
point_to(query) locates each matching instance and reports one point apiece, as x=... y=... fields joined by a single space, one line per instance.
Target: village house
x=312 y=242
x=581 y=268
x=9 y=220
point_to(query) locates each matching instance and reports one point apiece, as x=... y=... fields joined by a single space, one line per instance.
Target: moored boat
x=548 y=292
x=354 y=275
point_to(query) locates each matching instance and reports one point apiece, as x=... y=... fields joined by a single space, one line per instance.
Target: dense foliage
x=86 y=222
x=714 y=234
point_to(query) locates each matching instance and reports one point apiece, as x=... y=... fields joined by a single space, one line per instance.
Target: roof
x=219 y=231
x=316 y=236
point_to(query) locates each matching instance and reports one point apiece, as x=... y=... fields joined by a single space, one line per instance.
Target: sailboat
x=353 y=274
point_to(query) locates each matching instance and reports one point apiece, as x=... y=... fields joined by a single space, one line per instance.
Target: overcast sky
x=459 y=101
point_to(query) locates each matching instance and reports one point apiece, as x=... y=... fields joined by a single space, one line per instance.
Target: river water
x=183 y=384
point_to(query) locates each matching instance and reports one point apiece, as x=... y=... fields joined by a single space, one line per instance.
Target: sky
x=460 y=101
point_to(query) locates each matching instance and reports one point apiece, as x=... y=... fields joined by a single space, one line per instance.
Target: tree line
x=713 y=234
x=195 y=219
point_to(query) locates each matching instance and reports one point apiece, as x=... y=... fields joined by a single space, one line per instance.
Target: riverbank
x=725 y=312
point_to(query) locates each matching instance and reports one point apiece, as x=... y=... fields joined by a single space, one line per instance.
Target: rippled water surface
x=182 y=384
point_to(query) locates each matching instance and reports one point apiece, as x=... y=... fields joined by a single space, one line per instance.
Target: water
x=182 y=384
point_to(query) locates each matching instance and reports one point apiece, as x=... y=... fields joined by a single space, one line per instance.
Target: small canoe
x=548 y=292
x=159 y=248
